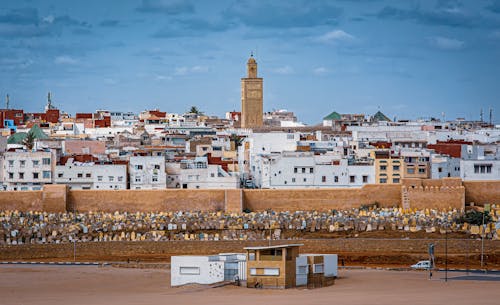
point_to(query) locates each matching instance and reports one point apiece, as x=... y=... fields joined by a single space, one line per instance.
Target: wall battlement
x=411 y=193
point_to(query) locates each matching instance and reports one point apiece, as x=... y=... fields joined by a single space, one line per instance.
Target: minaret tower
x=251 y=97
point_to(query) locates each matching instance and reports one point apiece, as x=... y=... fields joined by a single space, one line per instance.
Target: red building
x=452 y=148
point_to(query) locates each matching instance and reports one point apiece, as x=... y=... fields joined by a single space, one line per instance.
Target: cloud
x=321 y=71
x=192 y=27
x=26 y=23
x=162 y=77
x=284 y=14
x=20 y=16
x=165 y=7
x=494 y=7
x=444 y=14
x=336 y=36
x=109 y=23
x=181 y=71
x=285 y=70
x=449 y=44
x=65 y=60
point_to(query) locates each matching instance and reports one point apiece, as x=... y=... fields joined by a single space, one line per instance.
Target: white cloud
x=320 y=71
x=190 y=70
x=110 y=81
x=162 y=77
x=283 y=70
x=336 y=36
x=48 y=19
x=65 y=60
x=445 y=43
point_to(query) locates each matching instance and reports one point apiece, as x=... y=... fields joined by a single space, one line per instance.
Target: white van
x=425 y=265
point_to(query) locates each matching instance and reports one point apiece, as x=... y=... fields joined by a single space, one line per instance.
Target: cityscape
x=236 y=169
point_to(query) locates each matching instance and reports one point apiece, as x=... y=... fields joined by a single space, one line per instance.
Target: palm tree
x=29 y=141
x=195 y=110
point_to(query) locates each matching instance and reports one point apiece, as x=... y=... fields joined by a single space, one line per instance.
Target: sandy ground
x=109 y=285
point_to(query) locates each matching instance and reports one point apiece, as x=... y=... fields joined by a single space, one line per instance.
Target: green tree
x=476 y=218
x=236 y=139
x=194 y=109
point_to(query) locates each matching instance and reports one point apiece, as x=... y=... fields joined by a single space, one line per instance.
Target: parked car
x=422 y=265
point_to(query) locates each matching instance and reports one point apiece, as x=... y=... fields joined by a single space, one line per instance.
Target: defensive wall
x=368 y=250
x=411 y=193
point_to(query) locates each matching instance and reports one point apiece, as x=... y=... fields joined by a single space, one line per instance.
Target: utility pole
x=7 y=101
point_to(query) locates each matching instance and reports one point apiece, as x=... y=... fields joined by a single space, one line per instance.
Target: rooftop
x=273 y=247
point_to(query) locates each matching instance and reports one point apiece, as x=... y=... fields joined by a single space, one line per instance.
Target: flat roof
x=273 y=247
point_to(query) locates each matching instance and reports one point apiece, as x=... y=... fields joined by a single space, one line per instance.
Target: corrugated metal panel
x=242 y=270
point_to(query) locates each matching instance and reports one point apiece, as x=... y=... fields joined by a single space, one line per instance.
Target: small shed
x=272 y=266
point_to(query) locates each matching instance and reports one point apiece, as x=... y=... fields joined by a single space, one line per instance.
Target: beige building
x=272 y=267
x=251 y=97
x=388 y=168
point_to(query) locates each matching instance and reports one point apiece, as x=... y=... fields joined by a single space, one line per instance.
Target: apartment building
x=87 y=176
x=307 y=170
x=480 y=162
x=198 y=174
x=27 y=170
x=147 y=172
x=388 y=167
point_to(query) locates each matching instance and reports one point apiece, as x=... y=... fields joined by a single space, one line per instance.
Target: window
x=120 y=178
x=80 y=175
x=11 y=163
x=155 y=178
x=157 y=166
x=22 y=163
x=111 y=178
x=383 y=167
x=59 y=175
x=336 y=179
x=11 y=175
x=35 y=175
x=138 y=167
x=303 y=170
x=311 y=170
x=410 y=171
x=395 y=167
x=88 y=175
x=295 y=170
x=21 y=175
x=421 y=170
x=293 y=179
x=383 y=180
x=482 y=168
x=440 y=169
x=138 y=179
x=271 y=271
x=46 y=161
x=365 y=179
x=352 y=179
x=189 y=270
x=99 y=178
x=318 y=268
x=46 y=174
x=305 y=179
x=395 y=180
x=323 y=178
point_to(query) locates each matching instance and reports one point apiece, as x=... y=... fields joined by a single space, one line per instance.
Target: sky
x=410 y=59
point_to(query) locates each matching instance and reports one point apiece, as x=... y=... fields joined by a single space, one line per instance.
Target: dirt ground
x=107 y=285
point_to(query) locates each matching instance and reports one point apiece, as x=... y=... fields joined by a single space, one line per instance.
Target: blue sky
x=410 y=58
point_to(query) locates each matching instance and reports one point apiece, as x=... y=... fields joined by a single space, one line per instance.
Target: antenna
x=491 y=116
x=481 y=115
x=7 y=100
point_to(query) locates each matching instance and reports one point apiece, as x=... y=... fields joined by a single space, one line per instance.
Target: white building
x=306 y=170
x=480 y=164
x=207 y=269
x=86 y=176
x=147 y=172
x=444 y=166
x=257 y=144
x=27 y=170
x=198 y=174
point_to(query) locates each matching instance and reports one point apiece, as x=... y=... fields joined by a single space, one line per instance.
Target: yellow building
x=251 y=97
x=272 y=267
x=388 y=167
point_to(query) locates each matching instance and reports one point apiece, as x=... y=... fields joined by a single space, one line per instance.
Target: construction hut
x=272 y=266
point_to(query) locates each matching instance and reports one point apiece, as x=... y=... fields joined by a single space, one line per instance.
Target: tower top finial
x=251 y=53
